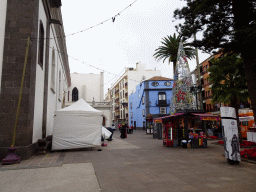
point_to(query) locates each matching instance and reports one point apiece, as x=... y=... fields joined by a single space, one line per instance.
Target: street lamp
x=194 y=89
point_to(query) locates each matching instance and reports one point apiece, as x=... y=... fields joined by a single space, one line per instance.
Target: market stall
x=185 y=128
x=170 y=129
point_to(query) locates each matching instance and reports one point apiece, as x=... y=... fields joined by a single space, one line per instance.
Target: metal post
x=20 y=96
x=196 y=99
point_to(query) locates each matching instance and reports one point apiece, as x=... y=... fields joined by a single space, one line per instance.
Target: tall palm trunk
x=234 y=103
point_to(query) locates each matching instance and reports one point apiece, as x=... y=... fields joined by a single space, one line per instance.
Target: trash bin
x=184 y=143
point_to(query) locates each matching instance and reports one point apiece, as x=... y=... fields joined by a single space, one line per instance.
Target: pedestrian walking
x=113 y=128
x=123 y=131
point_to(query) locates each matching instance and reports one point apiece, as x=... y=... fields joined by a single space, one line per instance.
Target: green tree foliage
x=169 y=50
x=229 y=25
x=227 y=76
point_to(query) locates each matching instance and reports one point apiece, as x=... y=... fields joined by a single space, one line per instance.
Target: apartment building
x=123 y=87
x=151 y=98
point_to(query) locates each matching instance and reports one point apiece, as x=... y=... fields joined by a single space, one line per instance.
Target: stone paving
x=37 y=161
x=141 y=163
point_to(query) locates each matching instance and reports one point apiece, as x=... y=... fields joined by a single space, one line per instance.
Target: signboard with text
x=209 y=118
x=231 y=138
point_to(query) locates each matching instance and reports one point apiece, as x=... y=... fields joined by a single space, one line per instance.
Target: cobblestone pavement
x=141 y=163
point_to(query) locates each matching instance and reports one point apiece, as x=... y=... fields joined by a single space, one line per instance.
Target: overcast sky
x=113 y=46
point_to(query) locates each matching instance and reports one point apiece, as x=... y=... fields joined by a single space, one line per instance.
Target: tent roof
x=80 y=106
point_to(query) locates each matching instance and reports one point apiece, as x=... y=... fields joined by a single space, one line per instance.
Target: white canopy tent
x=77 y=126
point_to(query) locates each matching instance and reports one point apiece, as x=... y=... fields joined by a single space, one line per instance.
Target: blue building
x=150 y=100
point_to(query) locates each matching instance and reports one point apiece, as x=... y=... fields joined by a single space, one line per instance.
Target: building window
x=60 y=96
x=75 y=94
x=53 y=72
x=131 y=115
x=154 y=84
x=131 y=105
x=143 y=100
x=167 y=83
x=161 y=96
x=162 y=110
x=41 y=45
x=143 y=112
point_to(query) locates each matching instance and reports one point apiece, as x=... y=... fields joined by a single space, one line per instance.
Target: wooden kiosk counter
x=185 y=128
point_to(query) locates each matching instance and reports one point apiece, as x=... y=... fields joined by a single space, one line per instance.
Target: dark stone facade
x=21 y=22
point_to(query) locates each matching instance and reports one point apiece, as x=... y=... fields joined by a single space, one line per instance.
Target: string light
x=88 y=64
x=111 y=18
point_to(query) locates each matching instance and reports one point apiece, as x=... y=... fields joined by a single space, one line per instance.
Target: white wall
x=138 y=74
x=3 y=6
x=39 y=85
x=90 y=85
x=108 y=117
x=54 y=102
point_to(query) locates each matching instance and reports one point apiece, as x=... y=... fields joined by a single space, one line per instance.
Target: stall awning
x=207 y=117
x=160 y=119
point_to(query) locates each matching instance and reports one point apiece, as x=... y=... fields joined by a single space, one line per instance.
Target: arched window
x=75 y=94
x=41 y=45
x=53 y=80
x=60 y=91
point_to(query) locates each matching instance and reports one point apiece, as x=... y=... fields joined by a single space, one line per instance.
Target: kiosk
x=185 y=128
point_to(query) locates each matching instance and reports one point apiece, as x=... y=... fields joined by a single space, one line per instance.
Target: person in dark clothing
x=123 y=131
x=111 y=130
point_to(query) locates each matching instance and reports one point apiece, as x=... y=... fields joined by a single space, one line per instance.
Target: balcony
x=162 y=103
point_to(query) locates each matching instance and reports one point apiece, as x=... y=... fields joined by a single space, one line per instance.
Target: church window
x=75 y=94
x=53 y=71
x=41 y=45
x=60 y=96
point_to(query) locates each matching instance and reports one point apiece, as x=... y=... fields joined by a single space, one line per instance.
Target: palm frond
x=169 y=49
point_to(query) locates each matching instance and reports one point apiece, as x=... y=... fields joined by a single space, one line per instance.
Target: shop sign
x=157 y=120
x=231 y=139
x=209 y=118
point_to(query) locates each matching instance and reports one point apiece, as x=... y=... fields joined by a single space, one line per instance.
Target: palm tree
x=228 y=81
x=169 y=50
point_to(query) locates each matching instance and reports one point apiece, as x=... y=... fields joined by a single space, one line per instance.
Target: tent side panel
x=76 y=132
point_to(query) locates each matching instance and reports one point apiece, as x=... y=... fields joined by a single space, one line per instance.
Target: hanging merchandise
x=182 y=98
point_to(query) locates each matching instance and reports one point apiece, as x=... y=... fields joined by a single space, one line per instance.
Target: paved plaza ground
x=138 y=163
